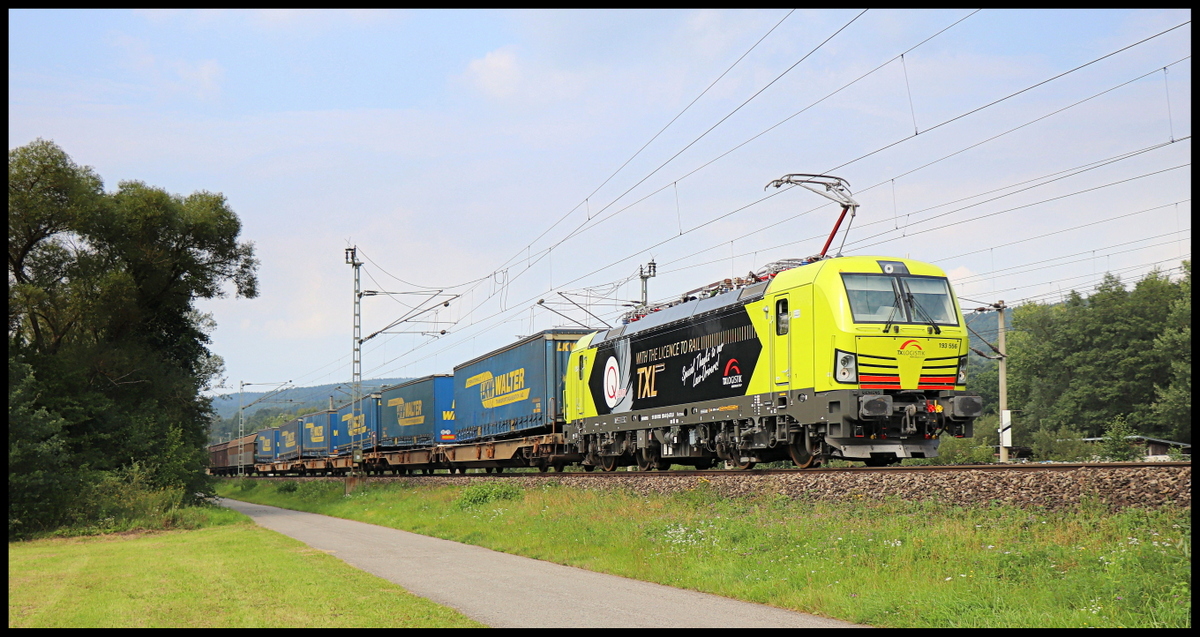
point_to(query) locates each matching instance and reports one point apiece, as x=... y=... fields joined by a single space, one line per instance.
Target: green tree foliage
x=1116 y=444
x=101 y=292
x=983 y=379
x=1063 y=445
x=1082 y=363
x=1173 y=400
x=39 y=477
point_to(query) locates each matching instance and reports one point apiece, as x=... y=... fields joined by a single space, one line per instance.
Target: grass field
x=229 y=574
x=897 y=564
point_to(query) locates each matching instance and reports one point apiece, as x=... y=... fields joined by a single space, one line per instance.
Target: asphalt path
x=509 y=591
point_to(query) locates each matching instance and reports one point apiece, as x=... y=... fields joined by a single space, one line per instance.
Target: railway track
x=600 y=475
x=1045 y=486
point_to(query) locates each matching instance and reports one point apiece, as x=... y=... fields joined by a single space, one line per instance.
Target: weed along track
x=1078 y=546
x=1054 y=486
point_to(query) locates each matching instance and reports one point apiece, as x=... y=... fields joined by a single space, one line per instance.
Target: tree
x=101 y=310
x=39 y=478
x=1083 y=362
x=1173 y=400
x=1116 y=445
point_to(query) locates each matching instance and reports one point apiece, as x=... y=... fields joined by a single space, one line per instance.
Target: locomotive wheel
x=701 y=465
x=608 y=463
x=644 y=461
x=801 y=456
x=737 y=464
x=589 y=467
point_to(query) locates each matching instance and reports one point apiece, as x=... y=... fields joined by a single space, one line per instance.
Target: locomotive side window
x=781 y=317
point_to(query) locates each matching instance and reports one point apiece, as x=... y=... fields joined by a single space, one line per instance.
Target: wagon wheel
x=559 y=467
x=543 y=468
x=589 y=467
x=706 y=463
x=499 y=469
x=608 y=463
x=487 y=469
x=801 y=456
x=739 y=463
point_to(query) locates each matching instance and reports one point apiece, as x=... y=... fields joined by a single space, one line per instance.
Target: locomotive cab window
x=931 y=299
x=874 y=299
x=781 y=317
x=882 y=298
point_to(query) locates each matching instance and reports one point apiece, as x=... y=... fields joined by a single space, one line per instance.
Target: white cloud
x=497 y=73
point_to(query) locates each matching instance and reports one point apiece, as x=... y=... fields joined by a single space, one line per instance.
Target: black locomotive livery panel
x=709 y=359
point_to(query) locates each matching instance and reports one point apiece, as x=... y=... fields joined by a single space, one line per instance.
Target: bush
x=1062 y=445
x=318 y=489
x=288 y=487
x=477 y=494
x=1116 y=446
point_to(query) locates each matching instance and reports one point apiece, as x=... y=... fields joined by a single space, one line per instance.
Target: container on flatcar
x=240 y=452
x=419 y=412
x=316 y=434
x=265 y=444
x=289 y=440
x=356 y=424
x=514 y=390
x=218 y=458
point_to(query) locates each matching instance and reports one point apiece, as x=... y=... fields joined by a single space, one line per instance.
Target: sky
x=481 y=161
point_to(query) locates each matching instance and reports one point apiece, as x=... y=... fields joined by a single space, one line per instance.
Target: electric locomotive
x=858 y=358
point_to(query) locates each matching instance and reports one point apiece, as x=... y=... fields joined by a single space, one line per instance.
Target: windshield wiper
x=918 y=308
x=896 y=294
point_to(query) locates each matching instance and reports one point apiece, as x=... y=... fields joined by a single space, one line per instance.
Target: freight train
x=859 y=358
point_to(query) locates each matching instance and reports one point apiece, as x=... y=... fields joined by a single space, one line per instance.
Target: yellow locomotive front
x=888 y=358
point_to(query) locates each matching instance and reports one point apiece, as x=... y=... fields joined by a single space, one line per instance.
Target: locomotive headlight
x=962 y=370
x=845 y=367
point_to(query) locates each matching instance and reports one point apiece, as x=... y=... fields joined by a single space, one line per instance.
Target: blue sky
x=461 y=150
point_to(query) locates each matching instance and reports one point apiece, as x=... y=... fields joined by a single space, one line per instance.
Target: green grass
x=894 y=563
x=229 y=574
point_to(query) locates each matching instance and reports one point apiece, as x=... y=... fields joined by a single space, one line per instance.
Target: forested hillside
x=1075 y=366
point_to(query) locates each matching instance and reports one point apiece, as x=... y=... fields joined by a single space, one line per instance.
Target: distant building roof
x=1147 y=439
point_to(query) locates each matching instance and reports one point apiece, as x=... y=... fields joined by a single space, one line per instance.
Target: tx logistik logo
x=734 y=379
x=917 y=350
